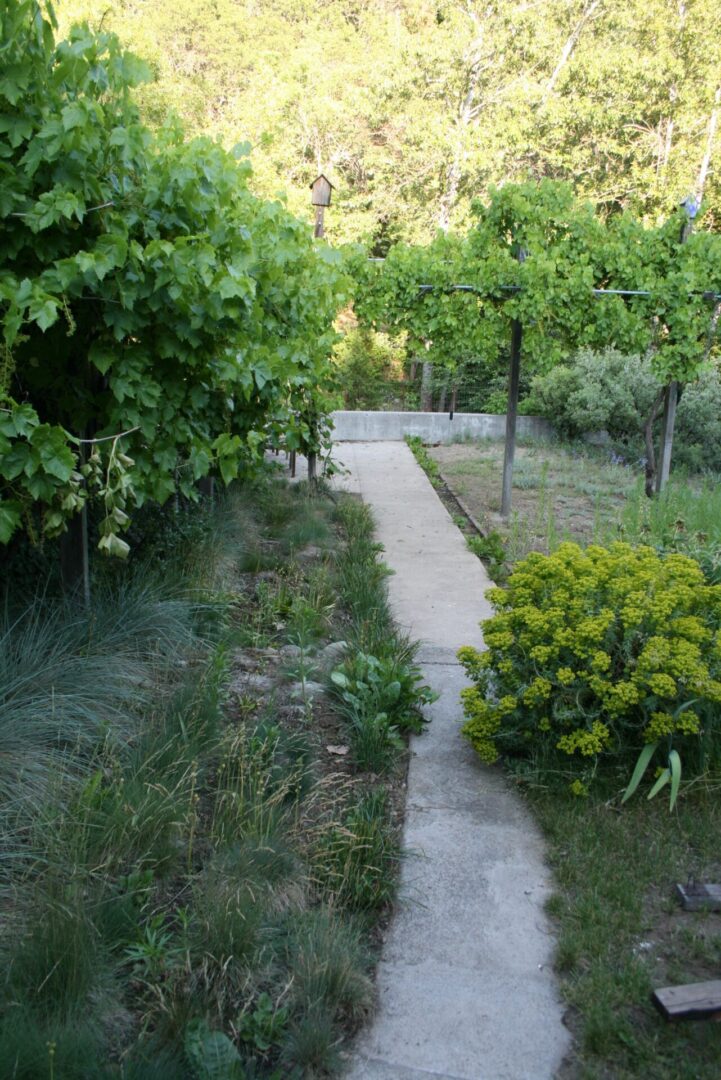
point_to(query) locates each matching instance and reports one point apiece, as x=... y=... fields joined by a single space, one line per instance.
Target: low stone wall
x=431 y=427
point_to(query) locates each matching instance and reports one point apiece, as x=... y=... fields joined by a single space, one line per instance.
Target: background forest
x=413 y=107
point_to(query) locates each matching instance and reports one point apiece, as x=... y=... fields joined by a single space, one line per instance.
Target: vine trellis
x=562 y=257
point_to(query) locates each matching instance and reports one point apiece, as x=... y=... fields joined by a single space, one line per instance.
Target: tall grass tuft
x=355 y=860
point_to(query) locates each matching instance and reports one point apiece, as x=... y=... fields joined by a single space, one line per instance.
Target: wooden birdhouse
x=321 y=189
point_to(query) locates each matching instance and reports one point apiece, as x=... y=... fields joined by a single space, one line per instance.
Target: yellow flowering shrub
x=594 y=653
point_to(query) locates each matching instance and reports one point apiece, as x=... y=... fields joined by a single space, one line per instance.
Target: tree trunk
x=710 y=138
x=427 y=387
x=568 y=47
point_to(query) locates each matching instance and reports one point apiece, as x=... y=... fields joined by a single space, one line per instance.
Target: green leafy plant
x=155 y=951
x=391 y=685
x=492 y=550
x=169 y=304
x=211 y=1053
x=262 y=1026
x=599 y=654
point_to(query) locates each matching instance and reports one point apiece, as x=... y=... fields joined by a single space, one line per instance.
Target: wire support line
x=705 y=295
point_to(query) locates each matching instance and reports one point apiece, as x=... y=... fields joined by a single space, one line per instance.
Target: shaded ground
x=557 y=493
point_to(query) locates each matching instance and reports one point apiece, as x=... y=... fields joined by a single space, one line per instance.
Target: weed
x=262 y=1026
x=426 y=462
x=355 y=861
x=492 y=551
x=259 y=776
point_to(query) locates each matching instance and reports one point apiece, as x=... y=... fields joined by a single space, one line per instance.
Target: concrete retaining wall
x=431 y=427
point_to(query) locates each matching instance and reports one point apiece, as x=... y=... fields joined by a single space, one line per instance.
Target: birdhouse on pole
x=321 y=189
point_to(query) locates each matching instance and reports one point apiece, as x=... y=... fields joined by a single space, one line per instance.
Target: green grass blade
x=641 y=765
x=674 y=764
x=661 y=782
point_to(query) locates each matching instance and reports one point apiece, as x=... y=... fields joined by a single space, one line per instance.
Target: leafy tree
x=417 y=107
x=144 y=291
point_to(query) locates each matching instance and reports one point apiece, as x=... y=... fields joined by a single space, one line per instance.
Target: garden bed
x=201 y=877
x=564 y=491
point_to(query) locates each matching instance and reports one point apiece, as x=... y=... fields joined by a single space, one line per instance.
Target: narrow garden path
x=466 y=989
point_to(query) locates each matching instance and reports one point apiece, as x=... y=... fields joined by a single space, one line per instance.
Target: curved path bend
x=465 y=982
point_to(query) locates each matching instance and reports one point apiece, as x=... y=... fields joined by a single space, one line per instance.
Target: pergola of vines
x=532 y=270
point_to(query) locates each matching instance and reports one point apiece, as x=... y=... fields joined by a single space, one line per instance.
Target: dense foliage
x=143 y=289
x=609 y=391
x=369 y=370
x=536 y=254
x=416 y=106
x=594 y=654
x=540 y=259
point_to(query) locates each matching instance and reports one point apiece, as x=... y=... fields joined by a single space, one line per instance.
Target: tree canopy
x=416 y=107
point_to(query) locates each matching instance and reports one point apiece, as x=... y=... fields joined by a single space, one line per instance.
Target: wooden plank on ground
x=697 y=896
x=695 y=1001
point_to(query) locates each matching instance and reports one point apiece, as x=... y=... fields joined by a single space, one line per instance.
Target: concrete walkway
x=466 y=990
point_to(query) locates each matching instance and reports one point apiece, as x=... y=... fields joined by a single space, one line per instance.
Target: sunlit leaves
x=536 y=254
x=143 y=288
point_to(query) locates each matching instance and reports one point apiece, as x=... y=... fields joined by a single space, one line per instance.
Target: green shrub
x=594 y=654
x=365 y=683
x=597 y=391
x=369 y=369
x=697 y=443
x=491 y=549
x=380 y=698
x=609 y=391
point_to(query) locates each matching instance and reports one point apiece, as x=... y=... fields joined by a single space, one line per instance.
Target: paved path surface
x=465 y=982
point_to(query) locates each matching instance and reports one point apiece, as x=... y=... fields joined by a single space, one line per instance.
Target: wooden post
x=511 y=414
x=75 y=557
x=670 y=402
x=319 y=230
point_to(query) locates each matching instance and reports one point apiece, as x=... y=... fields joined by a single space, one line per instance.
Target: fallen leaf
x=341 y=751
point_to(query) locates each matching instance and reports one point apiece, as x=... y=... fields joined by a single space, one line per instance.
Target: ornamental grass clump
x=594 y=655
